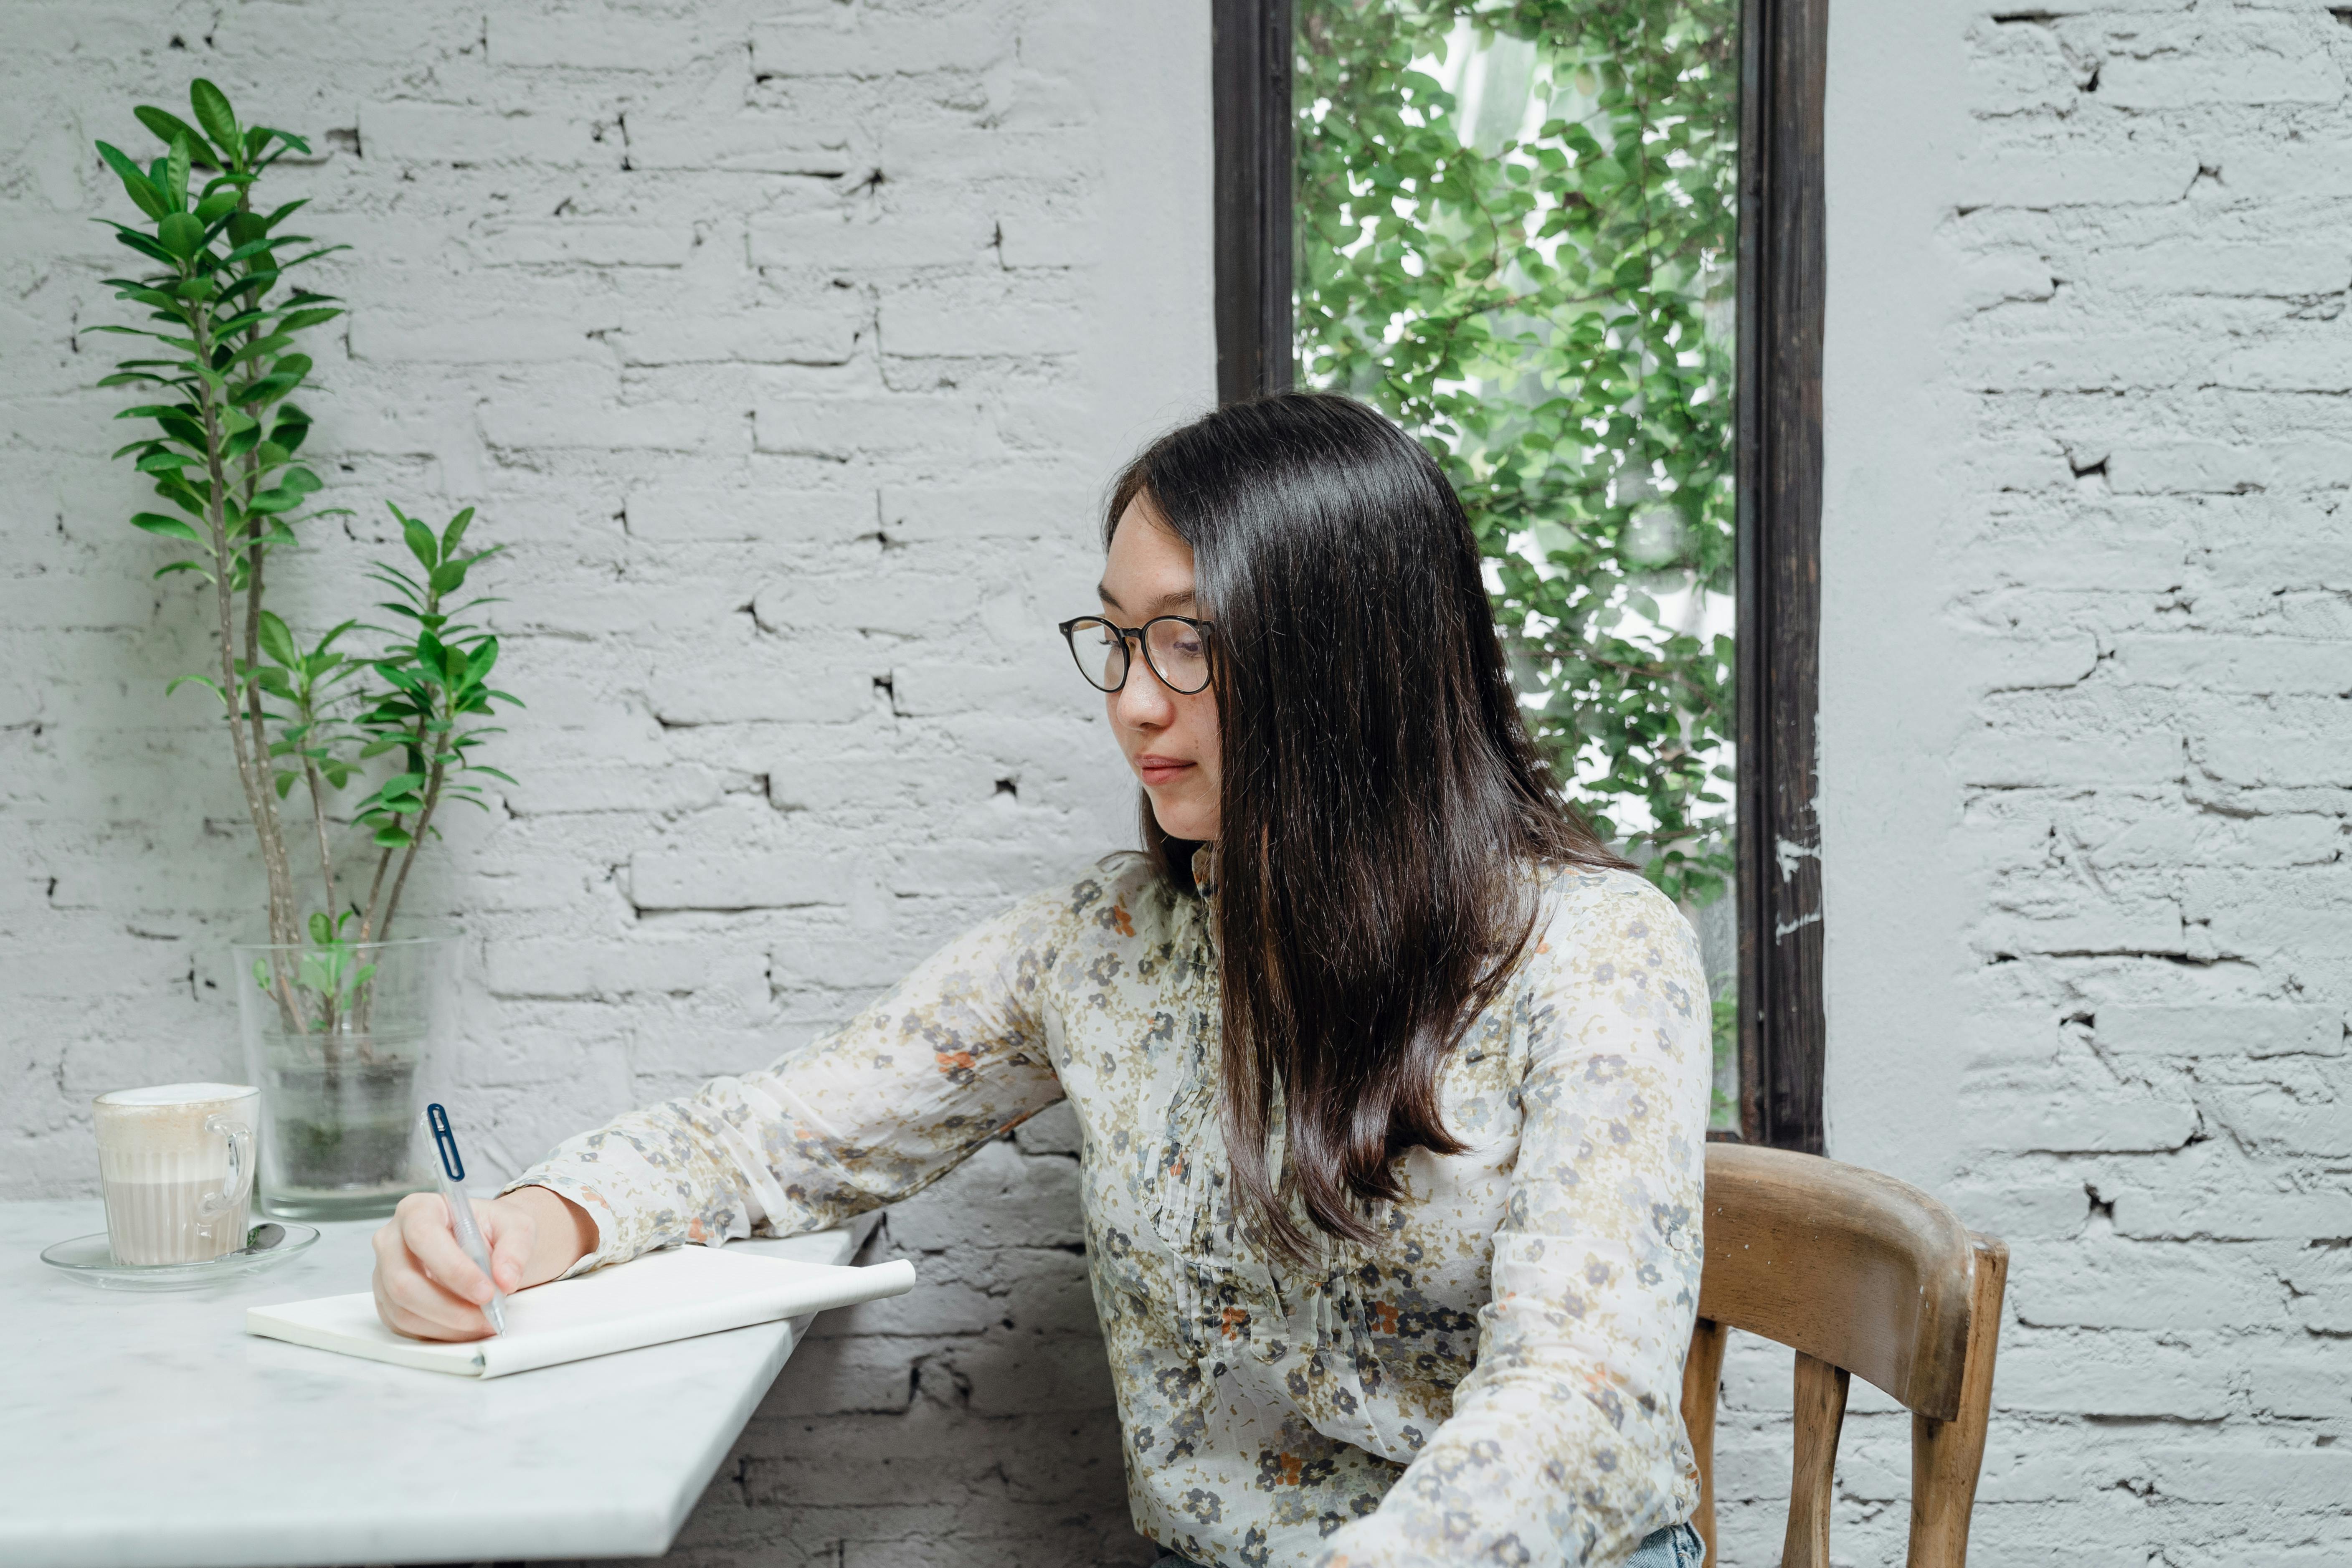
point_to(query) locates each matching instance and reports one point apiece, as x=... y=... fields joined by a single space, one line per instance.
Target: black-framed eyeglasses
x=1176 y=647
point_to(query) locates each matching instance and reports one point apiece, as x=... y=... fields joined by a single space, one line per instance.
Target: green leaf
x=181 y=235
x=139 y=293
x=294 y=321
x=269 y=344
x=216 y=206
x=169 y=527
x=276 y=640
x=268 y=388
x=144 y=246
x=213 y=114
x=204 y=680
x=169 y=127
x=134 y=180
x=393 y=838
x=245 y=251
x=455 y=533
x=275 y=500
x=170 y=567
x=313 y=256
x=175 y=175
x=421 y=542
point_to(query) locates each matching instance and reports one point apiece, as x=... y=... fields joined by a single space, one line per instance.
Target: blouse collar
x=1204 y=870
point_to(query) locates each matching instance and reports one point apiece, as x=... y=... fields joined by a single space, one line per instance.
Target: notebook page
x=670 y=1295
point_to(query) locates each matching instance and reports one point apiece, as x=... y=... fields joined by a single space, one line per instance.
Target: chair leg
x=1947 y=1455
x=1702 y=1378
x=1821 y=1414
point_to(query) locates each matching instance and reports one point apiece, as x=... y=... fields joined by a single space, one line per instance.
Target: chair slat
x=1820 y=1413
x=1863 y=1275
x=1702 y=1381
x=1849 y=1266
x=1947 y=1454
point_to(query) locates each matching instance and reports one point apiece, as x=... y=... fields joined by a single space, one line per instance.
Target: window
x=1576 y=247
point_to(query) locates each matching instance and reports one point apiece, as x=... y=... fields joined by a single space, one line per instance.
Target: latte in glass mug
x=176 y=1162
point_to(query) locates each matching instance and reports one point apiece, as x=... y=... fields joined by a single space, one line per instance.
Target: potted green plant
x=342 y=1009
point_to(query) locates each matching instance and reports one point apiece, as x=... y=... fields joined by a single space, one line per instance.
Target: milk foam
x=175 y=1094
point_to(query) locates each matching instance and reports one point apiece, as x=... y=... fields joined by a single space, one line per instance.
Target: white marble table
x=151 y=1431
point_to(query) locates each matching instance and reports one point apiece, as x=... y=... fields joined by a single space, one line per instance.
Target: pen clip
x=445 y=1141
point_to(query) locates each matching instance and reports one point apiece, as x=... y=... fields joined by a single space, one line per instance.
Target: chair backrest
x=1862 y=1275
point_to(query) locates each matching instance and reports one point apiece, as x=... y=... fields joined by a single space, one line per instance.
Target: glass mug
x=176 y=1162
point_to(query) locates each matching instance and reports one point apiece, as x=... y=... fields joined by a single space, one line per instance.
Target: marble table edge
x=644 y=1526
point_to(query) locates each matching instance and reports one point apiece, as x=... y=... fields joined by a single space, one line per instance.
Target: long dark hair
x=1381 y=801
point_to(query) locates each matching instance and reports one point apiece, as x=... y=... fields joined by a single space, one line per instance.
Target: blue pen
x=450 y=1170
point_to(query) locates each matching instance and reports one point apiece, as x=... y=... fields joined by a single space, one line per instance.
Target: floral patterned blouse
x=1499 y=1382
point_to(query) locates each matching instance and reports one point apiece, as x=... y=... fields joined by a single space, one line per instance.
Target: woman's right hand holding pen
x=426 y=1286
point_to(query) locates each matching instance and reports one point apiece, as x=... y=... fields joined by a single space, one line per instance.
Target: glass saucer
x=89 y=1259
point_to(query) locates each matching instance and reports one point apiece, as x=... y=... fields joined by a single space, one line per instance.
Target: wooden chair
x=1860 y=1275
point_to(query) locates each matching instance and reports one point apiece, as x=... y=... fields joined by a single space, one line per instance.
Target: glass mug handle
x=240 y=1168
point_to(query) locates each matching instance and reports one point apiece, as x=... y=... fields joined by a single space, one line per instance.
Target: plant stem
x=319 y=819
x=250 y=759
x=370 y=929
x=417 y=842
x=326 y=868
x=367 y=920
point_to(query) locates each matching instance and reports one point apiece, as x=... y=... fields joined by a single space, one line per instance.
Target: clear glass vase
x=342 y=1038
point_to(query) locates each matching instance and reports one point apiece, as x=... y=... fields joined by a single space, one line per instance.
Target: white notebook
x=663 y=1296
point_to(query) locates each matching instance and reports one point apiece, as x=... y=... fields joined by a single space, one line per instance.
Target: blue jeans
x=1677 y=1546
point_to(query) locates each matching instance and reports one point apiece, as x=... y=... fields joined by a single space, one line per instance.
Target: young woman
x=1394 y=1081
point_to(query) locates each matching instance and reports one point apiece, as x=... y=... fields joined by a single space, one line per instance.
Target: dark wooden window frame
x=1781 y=275
x=1782 y=263
x=1250 y=100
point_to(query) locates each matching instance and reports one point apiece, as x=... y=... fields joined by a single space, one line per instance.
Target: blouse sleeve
x=1566 y=1442
x=880 y=1109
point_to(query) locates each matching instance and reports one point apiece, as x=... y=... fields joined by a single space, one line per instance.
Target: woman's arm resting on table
x=1563 y=1443
x=886 y=1105
x=427 y=1288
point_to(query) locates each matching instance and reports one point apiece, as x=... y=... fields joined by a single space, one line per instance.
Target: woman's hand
x=426 y=1286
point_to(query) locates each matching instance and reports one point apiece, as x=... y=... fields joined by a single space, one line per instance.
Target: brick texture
x=2086 y=789
x=787 y=345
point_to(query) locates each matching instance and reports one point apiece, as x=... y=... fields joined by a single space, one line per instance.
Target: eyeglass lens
x=1178 y=652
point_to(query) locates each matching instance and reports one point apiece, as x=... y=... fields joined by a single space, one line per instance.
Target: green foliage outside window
x=1544 y=292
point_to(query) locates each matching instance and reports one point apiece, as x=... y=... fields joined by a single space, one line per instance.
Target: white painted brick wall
x=764 y=431
x=787 y=345
x=2086 y=756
